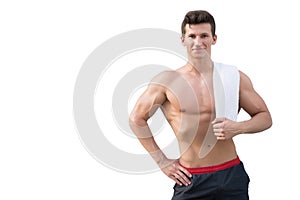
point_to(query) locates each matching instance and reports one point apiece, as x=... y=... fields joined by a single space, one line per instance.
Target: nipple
x=182 y=110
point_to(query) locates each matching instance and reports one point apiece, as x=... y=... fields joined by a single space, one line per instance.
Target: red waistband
x=210 y=169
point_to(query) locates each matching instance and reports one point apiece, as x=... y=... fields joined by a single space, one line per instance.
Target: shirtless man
x=209 y=167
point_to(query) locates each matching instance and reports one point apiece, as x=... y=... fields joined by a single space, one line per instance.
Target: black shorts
x=227 y=184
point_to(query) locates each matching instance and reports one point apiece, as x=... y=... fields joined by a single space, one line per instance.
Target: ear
x=182 y=40
x=215 y=39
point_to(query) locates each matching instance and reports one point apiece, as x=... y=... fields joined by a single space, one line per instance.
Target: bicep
x=148 y=103
x=250 y=100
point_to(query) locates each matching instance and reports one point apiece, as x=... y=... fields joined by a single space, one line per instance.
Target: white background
x=42 y=47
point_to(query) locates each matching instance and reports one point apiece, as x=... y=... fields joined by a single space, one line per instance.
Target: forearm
x=259 y=122
x=144 y=135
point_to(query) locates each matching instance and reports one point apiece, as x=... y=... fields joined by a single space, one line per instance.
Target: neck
x=201 y=65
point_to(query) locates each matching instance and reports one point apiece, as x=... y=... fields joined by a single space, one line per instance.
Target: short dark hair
x=198 y=17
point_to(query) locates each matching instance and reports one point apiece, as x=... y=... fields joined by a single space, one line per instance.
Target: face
x=198 y=40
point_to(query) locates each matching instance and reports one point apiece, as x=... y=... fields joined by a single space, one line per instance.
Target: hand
x=224 y=128
x=177 y=173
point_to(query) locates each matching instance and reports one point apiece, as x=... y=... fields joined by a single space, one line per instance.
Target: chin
x=199 y=55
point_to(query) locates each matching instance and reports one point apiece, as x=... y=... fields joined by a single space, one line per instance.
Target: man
x=201 y=101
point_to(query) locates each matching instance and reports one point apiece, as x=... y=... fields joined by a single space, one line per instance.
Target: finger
x=176 y=180
x=219 y=125
x=221 y=138
x=183 y=178
x=186 y=172
x=218 y=120
x=180 y=180
x=218 y=131
x=219 y=134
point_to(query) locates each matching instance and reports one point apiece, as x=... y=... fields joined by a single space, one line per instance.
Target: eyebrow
x=205 y=33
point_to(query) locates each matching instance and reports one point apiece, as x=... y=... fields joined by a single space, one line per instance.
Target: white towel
x=226 y=84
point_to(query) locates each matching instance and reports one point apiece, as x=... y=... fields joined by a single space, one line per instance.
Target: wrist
x=160 y=158
x=241 y=127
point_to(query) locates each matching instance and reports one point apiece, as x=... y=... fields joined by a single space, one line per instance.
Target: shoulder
x=230 y=70
x=243 y=75
x=245 y=81
x=164 y=78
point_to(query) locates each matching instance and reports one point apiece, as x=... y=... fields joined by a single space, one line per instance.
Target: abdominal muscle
x=197 y=143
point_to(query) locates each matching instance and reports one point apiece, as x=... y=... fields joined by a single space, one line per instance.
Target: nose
x=198 y=41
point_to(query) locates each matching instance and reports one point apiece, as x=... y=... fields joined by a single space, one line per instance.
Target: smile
x=198 y=49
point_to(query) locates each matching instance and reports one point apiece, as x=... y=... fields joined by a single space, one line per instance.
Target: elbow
x=269 y=121
x=136 y=121
x=139 y=126
x=132 y=120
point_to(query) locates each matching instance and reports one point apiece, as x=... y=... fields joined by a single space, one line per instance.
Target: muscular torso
x=189 y=109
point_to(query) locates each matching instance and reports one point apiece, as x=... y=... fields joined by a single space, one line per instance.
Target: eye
x=204 y=36
x=193 y=36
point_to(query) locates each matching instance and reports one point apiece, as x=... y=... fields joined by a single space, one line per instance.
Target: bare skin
x=186 y=99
